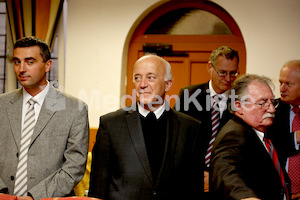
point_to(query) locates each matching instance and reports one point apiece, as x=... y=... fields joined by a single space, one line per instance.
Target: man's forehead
x=26 y=53
x=144 y=73
x=289 y=74
x=255 y=89
x=227 y=64
x=148 y=69
x=27 y=50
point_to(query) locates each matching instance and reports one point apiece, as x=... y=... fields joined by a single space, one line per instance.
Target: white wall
x=97 y=31
x=271 y=33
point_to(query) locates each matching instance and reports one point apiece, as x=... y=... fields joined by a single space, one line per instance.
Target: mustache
x=141 y=91
x=266 y=115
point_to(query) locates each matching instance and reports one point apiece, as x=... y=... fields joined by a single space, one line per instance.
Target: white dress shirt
x=223 y=98
x=158 y=112
x=39 y=98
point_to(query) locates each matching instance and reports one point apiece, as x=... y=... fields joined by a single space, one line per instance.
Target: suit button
x=12 y=178
x=154 y=193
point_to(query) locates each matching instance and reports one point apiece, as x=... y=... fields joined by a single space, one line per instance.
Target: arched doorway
x=185 y=33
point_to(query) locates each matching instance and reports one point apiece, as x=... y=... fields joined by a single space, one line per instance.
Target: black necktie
x=151 y=116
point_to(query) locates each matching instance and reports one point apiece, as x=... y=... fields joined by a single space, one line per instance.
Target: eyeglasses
x=264 y=105
x=223 y=74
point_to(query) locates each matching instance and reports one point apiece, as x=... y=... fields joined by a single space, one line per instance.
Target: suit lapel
x=206 y=104
x=226 y=116
x=51 y=104
x=14 y=112
x=261 y=148
x=283 y=114
x=136 y=134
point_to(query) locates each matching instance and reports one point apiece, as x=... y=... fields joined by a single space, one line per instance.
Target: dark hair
x=33 y=41
x=226 y=51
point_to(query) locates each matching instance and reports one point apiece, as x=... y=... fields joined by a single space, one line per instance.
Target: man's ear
x=209 y=67
x=48 y=65
x=168 y=85
x=238 y=107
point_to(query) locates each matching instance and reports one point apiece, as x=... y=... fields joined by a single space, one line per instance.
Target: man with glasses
x=244 y=162
x=207 y=102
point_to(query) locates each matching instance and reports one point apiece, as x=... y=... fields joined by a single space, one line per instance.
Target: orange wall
x=93 y=133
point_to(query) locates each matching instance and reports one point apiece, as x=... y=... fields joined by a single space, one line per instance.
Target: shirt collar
x=293 y=106
x=213 y=92
x=158 y=112
x=260 y=134
x=39 y=97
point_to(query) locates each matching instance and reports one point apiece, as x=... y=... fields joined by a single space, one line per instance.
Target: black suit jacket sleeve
x=98 y=177
x=279 y=132
x=242 y=167
x=226 y=169
x=192 y=99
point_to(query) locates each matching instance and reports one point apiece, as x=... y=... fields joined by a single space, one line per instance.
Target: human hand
x=206 y=181
x=25 y=198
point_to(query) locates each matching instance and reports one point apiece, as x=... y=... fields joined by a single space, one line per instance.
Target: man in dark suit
x=244 y=163
x=57 y=140
x=196 y=100
x=284 y=135
x=147 y=151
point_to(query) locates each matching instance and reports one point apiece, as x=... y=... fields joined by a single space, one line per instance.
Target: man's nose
x=271 y=108
x=282 y=87
x=144 y=83
x=22 y=67
x=228 y=77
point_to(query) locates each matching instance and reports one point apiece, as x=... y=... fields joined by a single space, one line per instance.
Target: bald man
x=147 y=150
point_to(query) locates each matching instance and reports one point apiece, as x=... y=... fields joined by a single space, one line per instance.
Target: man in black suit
x=148 y=151
x=243 y=160
x=196 y=100
x=282 y=131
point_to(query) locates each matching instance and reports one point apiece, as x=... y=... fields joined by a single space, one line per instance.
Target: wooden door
x=186 y=70
x=191 y=67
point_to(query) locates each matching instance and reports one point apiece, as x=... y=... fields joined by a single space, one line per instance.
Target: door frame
x=184 y=43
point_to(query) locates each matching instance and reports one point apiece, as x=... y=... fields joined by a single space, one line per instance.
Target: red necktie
x=274 y=156
x=215 y=119
x=294 y=161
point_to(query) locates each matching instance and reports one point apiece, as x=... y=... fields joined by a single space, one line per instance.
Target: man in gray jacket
x=44 y=133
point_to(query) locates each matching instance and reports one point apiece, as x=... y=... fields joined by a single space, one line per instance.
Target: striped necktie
x=21 y=175
x=215 y=119
x=294 y=161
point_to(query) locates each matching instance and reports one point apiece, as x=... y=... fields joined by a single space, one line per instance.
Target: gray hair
x=240 y=86
x=168 y=75
x=228 y=52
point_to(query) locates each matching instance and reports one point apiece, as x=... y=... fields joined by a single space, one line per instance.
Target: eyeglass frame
x=265 y=105
x=226 y=73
